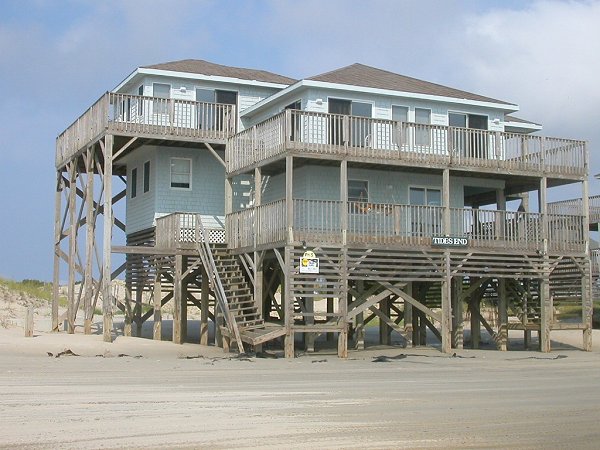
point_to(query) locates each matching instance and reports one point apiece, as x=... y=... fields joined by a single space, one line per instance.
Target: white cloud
x=544 y=57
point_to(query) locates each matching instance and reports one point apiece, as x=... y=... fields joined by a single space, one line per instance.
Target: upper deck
x=152 y=117
x=379 y=141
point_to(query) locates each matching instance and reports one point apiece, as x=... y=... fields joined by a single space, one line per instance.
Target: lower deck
x=442 y=297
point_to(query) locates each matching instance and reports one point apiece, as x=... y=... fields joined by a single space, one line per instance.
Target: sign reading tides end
x=449 y=241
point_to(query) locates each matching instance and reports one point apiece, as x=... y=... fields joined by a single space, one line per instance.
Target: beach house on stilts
x=311 y=210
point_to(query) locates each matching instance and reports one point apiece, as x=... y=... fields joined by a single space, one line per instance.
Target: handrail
x=135 y=114
x=335 y=134
x=408 y=224
x=205 y=252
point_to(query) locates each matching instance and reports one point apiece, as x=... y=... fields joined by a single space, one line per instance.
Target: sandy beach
x=138 y=393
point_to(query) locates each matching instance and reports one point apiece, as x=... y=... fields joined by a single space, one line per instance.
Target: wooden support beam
x=157 y=301
x=446 y=322
x=215 y=154
x=72 y=169
x=204 y=298
x=90 y=242
x=177 y=300
x=57 y=239
x=107 y=312
x=417 y=304
x=586 y=279
x=288 y=305
x=502 y=315
x=457 y=314
x=289 y=198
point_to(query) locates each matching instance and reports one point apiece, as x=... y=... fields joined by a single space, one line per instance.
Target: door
x=425 y=214
x=205 y=109
x=338 y=108
x=360 y=125
x=295 y=131
x=226 y=98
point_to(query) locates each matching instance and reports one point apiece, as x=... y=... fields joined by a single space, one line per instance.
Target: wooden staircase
x=237 y=290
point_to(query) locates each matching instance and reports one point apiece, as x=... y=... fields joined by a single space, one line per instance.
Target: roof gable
x=371 y=77
x=202 y=67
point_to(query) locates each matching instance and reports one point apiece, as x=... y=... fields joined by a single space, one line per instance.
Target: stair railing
x=205 y=252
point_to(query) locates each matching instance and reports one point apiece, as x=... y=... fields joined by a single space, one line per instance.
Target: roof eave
x=507 y=107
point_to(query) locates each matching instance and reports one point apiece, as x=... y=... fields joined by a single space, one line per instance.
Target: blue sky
x=57 y=57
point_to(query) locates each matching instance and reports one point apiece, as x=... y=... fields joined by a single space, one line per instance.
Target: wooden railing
x=575 y=207
x=179 y=229
x=380 y=139
x=134 y=114
x=321 y=220
x=595 y=260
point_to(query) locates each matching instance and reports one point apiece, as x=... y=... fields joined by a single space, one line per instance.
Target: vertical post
x=137 y=316
x=184 y=301
x=228 y=205
x=360 y=319
x=57 y=239
x=72 y=245
x=204 y=309
x=107 y=312
x=29 y=322
x=343 y=305
x=384 y=328
x=344 y=199
x=475 y=302
x=309 y=338
x=157 y=326
x=128 y=312
x=446 y=328
x=329 y=335
x=408 y=310
x=89 y=242
x=446 y=201
x=289 y=197
x=177 y=296
x=457 y=314
x=545 y=300
x=586 y=287
x=501 y=214
x=288 y=305
x=502 y=315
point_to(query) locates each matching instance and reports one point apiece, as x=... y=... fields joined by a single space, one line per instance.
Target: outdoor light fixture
x=319 y=101
x=303 y=245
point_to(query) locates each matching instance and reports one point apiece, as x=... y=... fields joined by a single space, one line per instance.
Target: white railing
x=380 y=139
x=402 y=224
x=134 y=114
x=574 y=207
x=178 y=229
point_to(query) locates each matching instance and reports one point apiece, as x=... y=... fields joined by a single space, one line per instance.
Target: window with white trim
x=422 y=133
x=358 y=191
x=133 y=183
x=146 y=176
x=181 y=173
x=162 y=92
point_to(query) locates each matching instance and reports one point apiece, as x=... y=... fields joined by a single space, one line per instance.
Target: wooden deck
x=330 y=136
x=134 y=115
x=575 y=206
x=402 y=226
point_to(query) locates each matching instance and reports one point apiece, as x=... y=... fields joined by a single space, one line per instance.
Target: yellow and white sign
x=309 y=263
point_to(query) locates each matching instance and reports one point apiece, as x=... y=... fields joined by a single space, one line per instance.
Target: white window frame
x=365 y=200
x=146 y=176
x=134 y=182
x=180 y=188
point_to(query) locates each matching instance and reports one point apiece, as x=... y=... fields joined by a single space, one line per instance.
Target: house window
x=358 y=191
x=133 y=188
x=162 y=92
x=422 y=133
x=146 y=176
x=399 y=114
x=140 y=102
x=205 y=108
x=181 y=173
x=425 y=196
x=295 y=131
x=425 y=222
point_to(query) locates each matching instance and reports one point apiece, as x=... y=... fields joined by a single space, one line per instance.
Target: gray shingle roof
x=509 y=118
x=207 y=68
x=366 y=76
